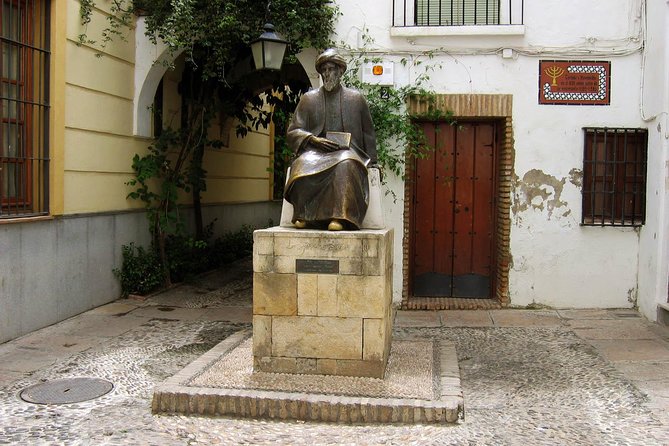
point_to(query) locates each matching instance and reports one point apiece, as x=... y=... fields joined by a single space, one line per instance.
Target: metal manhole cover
x=66 y=391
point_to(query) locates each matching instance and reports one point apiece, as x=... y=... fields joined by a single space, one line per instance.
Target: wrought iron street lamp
x=268 y=49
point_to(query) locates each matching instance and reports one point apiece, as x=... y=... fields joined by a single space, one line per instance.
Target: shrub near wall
x=141 y=272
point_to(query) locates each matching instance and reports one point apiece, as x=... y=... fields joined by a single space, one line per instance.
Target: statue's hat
x=330 y=55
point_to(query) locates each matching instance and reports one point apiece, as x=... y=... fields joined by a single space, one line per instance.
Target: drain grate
x=66 y=391
x=627 y=315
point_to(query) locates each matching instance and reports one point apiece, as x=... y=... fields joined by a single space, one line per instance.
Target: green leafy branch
x=158 y=179
x=119 y=20
x=398 y=134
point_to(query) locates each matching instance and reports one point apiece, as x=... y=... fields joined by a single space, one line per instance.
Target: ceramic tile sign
x=574 y=82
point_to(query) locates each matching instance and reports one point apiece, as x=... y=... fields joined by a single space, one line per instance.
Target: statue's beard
x=330 y=84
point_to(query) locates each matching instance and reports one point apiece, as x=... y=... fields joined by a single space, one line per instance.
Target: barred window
x=24 y=95
x=457 y=12
x=614 y=177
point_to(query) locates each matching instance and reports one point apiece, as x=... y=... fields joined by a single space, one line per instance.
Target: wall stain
x=540 y=191
x=576 y=177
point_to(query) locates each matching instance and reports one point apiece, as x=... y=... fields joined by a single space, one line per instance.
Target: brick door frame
x=469 y=106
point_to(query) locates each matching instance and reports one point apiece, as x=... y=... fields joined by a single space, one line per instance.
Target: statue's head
x=331 y=66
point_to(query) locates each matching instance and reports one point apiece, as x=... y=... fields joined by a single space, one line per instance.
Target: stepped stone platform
x=421 y=386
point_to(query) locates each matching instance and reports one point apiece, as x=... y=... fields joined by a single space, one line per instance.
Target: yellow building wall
x=237 y=172
x=59 y=18
x=98 y=144
x=171 y=97
x=93 y=143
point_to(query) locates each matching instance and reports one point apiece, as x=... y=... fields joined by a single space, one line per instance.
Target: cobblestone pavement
x=550 y=377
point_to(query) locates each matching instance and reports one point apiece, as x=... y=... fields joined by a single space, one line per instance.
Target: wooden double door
x=453 y=208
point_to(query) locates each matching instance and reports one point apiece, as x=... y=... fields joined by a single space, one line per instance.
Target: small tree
x=215 y=37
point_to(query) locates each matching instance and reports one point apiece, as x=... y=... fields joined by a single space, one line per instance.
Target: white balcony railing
x=408 y=13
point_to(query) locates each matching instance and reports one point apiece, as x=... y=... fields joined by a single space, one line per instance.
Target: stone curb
x=174 y=396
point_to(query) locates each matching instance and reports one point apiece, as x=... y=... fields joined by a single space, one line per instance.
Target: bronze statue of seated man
x=333 y=136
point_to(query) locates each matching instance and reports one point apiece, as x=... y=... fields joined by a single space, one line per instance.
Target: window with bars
x=24 y=96
x=614 y=177
x=450 y=13
x=457 y=12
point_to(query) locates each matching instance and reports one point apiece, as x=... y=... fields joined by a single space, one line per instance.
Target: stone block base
x=322 y=301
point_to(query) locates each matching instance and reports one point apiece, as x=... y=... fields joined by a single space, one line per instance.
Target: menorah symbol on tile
x=554 y=72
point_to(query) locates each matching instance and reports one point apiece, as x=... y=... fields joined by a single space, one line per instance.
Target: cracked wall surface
x=556 y=261
x=540 y=191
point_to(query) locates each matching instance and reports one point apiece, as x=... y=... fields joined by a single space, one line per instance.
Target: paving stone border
x=176 y=396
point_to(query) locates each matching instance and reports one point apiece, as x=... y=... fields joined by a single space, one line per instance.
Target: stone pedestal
x=322 y=301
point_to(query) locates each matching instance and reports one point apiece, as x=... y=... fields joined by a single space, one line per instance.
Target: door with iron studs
x=453 y=212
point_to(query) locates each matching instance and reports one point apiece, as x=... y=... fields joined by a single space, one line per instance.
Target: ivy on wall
x=398 y=134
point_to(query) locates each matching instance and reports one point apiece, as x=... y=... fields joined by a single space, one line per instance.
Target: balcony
x=457 y=17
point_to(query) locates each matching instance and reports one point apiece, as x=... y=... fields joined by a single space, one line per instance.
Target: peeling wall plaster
x=576 y=177
x=540 y=191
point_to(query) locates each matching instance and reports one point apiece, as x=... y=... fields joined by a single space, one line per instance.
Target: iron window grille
x=614 y=177
x=24 y=108
x=457 y=12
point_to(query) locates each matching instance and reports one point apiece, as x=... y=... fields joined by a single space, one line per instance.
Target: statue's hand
x=324 y=144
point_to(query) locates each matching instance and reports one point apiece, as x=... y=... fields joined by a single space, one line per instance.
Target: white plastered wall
x=654 y=241
x=555 y=260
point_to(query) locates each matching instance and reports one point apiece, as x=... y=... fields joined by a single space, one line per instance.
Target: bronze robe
x=326 y=186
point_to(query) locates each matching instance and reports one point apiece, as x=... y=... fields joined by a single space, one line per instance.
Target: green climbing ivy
x=398 y=134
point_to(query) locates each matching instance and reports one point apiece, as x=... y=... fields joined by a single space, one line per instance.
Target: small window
x=614 y=177
x=457 y=12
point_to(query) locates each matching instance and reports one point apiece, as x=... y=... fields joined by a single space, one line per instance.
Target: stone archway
x=151 y=63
